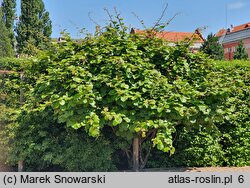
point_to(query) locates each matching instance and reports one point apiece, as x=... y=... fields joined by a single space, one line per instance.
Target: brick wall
x=229 y=48
x=247 y=46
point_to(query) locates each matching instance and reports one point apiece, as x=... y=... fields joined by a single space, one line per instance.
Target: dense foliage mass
x=10 y=88
x=34 y=27
x=138 y=86
x=86 y=101
x=229 y=143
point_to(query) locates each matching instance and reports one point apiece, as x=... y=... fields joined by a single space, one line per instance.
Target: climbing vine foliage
x=135 y=85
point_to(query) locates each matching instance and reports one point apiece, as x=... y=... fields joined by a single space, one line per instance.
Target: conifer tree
x=5 y=43
x=241 y=52
x=34 y=27
x=9 y=10
x=212 y=47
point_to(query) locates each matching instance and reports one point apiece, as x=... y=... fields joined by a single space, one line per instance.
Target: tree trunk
x=136 y=154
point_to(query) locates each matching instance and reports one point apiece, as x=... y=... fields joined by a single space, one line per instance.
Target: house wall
x=195 y=47
x=247 y=46
x=229 y=49
x=232 y=40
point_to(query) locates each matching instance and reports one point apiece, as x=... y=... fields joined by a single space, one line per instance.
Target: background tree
x=9 y=9
x=34 y=28
x=5 y=43
x=241 y=52
x=212 y=47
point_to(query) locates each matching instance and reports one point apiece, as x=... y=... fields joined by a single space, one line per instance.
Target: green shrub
x=200 y=148
x=235 y=126
x=228 y=142
x=236 y=144
x=10 y=86
x=197 y=148
x=45 y=145
x=36 y=136
x=87 y=153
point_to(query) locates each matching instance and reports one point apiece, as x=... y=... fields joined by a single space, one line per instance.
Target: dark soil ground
x=4 y=168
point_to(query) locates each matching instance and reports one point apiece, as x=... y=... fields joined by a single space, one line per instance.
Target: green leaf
x=76 y=126
x=124 y=86
x=117 y=120
x=180 y=110
x=202 y=108
x=62 y=102
x=160 y=109
x=124 y=98
x=78 y=80
x=127 y=119
x=93 y=131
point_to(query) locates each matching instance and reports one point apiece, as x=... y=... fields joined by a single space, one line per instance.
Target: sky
x=211 y=15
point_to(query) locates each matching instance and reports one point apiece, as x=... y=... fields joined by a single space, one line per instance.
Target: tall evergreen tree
x=9 y=10
x=240 y=52
x=34 y=27
x=5 y=43
x=212 y=47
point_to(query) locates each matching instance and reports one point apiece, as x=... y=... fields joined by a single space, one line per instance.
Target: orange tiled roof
x=175 y=36
x=241 y=27
x=221 y=32
x=234 y=29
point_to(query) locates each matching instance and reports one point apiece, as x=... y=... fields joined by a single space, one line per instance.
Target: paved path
x=200 y=169
x=4 y=168
x=222 y=169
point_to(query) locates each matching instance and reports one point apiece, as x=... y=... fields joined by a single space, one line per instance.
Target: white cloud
x=236 y=5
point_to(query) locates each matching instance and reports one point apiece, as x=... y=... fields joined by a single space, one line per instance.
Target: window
x=227 y=50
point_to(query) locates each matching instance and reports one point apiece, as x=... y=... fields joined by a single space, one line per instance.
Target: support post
x=21 y=89
x=20 y=166
x=21 y=163
x=136 y=154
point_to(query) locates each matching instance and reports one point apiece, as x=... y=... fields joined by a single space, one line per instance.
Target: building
x=175 y=37
x=231 y=38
